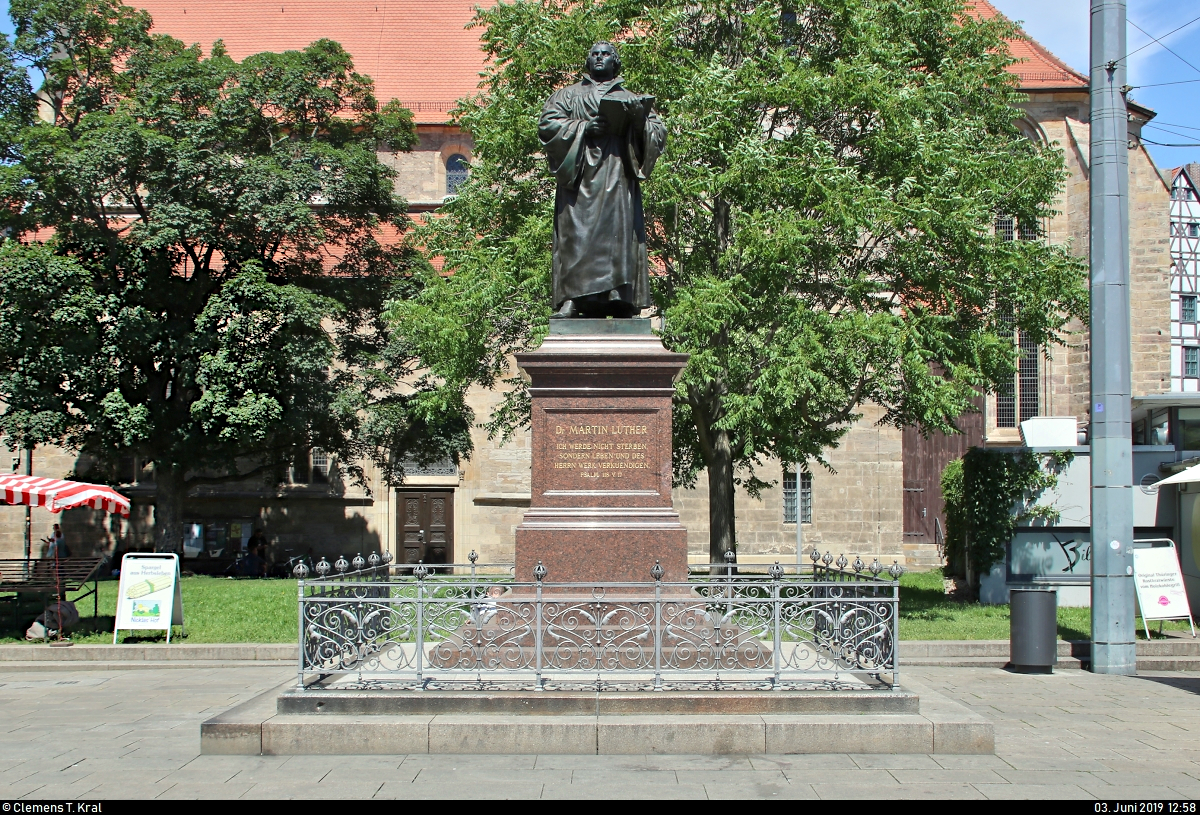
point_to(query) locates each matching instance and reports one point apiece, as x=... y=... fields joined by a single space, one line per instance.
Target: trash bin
x=1033 y=630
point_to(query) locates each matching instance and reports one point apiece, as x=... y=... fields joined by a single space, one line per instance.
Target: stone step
x=1064 y=663
x=1171 y=650
x=144 y=665
x=912 y=650
x=1188 y=663
x=154 y=652
x=922 y=556
x=257 y=728
x=333 y=701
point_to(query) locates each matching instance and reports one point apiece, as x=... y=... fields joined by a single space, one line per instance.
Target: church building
x=882 y=497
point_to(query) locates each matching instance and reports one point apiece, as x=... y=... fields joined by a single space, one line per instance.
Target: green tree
x=198 y=256
x=989 y=493
x=821 y=225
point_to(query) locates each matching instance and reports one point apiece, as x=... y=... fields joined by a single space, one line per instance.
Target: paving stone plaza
x=102 y=733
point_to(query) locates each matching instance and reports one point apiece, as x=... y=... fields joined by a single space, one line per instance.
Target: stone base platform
x=283 y=722
x=590 y=703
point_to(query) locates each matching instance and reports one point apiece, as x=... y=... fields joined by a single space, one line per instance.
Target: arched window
x=456 y=172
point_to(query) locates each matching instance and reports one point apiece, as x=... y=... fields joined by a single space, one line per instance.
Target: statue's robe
x=599 y=229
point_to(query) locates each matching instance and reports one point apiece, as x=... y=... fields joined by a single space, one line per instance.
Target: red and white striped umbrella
x=56 y=495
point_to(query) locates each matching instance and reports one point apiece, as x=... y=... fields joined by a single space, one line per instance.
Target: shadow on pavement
x=1187 y=683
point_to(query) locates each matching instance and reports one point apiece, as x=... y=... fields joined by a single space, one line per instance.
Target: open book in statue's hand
x=621 y=110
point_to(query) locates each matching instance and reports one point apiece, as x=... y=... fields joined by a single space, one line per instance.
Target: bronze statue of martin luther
x=602 y=142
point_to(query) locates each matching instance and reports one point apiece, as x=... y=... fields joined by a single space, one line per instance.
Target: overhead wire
x=1174 y=124
x=1172 y=132
x=1154 y=40
x=1164 y=144
x=1161 y=84
x=1164 y=45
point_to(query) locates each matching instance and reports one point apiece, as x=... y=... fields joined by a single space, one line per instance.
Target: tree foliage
x=821 y=224
x=199 y=255
x=988 y=493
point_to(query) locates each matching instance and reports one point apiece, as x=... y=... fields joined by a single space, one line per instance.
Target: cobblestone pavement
x=136 y=734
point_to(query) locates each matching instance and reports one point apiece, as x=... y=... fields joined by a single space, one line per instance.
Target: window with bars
x=311 y=467
x=1191 y=362
x=789 y=497
x=1009 y=228
x=320 y=466
x=1187 y=308
x=1019 y=399
x=456 y=173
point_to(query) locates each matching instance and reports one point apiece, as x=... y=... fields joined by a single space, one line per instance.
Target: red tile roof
x=420 y=51
x=417 y=51
x=1037 y=68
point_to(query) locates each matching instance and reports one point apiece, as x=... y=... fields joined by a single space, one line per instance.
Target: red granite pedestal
x=600 y=509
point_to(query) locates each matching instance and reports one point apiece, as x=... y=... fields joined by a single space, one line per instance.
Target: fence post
x=539 y=574
x=657 y=573
x=419 y=572
x=300 y=629
x=896 y=634
x=776 y=573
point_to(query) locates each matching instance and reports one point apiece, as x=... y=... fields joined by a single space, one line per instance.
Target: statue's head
x=603 y=61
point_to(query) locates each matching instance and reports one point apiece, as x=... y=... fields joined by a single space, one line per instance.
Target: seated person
x=252 y=565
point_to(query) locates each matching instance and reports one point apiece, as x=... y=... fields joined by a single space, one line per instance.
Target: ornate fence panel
x=472 y=626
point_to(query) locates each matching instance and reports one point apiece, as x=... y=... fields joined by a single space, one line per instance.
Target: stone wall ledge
x=154 y=652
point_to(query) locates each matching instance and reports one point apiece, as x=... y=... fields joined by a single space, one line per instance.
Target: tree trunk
x=168 y=509
x=721 y=538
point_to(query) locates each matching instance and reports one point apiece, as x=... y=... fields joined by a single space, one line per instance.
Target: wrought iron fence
x=423 y=626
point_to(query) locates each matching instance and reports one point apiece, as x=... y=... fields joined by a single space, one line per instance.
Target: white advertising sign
x=1160 y=591
x=148 y=594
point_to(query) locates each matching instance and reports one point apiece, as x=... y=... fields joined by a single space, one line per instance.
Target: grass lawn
x=926 y=613
x=215 y=609
x=220 y=609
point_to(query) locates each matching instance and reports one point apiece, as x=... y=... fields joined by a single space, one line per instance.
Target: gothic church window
x=456 y=173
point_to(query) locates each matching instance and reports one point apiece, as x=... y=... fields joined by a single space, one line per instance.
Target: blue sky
x=1062 y=26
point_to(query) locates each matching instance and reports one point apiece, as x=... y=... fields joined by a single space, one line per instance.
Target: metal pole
x=28 y=508
x=658 y=644
x=1113 y=632
x=776 y=615
x=420 y=655
x=300 y=628
x=799 y=524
